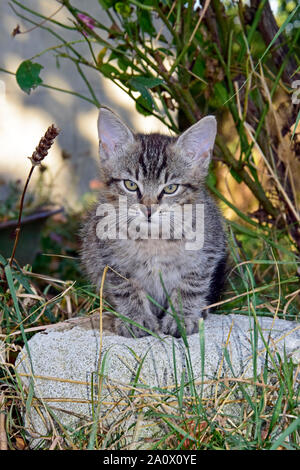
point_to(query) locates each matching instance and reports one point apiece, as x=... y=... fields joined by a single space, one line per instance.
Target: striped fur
x=193 y=279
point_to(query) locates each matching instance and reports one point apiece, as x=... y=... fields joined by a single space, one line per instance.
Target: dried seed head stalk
x=36 y=159
x=44 y=145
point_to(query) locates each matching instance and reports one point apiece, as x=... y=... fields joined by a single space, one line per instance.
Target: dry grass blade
x=3 y=437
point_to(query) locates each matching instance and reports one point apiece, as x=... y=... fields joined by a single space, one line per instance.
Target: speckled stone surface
x=66 y=362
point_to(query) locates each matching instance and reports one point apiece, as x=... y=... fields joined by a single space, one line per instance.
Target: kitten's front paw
x=127 y=329
x=170 y=325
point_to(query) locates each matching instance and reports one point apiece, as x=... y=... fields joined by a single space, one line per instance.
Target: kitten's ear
x=197 y=142
x=113 y=134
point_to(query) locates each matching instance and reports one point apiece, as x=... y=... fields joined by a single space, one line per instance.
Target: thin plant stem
x=3 y=437
x=18 y=229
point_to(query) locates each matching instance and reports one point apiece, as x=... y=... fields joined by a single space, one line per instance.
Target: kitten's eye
x=130 y=185
x=171 y=188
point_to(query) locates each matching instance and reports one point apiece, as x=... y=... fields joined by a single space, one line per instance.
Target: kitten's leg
x=188 y=301
x=130 y=300
x=189 y=309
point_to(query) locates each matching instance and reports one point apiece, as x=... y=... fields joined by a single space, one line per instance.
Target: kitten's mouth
x=156 y=219
x=155 y=223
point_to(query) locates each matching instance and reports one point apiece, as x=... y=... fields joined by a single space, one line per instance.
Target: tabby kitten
x=153 y=174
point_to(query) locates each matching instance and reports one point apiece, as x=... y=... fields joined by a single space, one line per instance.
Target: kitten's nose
x=148 y=206
x=148 y=212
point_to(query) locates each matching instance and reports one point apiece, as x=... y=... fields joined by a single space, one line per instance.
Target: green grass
x=262 y=281
x=263 y=278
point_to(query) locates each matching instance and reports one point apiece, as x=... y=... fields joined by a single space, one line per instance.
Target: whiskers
x=164 y=222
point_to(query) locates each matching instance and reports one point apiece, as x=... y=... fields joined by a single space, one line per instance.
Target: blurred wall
x=25 y=118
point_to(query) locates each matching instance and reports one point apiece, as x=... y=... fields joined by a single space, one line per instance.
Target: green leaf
x=108 y=70
x=142 y=84
x=27 y=75
x=220 y=94
x=277 y=408
x=123 y=63
x=124 y=60
x=145 y=22
x=10 y=282
x=23 y=280
x=143 y=107
x=30 y=395
x=143 y=91
x=148 y=82
x=291 y=428
x=199 y=67
x=123 y=9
